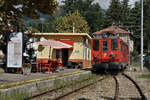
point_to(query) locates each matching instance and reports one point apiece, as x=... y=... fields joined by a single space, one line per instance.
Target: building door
x=65 y=56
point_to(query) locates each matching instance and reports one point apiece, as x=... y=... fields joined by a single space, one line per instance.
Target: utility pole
x=141 y=35
x=42 y=21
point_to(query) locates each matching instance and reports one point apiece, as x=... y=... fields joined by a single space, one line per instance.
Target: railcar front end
x=108 y=55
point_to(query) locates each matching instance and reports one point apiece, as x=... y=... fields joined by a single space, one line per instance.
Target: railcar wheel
x=94 y=69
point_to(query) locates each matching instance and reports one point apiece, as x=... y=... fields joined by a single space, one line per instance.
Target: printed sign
x=15 y=50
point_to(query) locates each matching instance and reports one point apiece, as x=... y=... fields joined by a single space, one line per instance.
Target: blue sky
x=105 y=3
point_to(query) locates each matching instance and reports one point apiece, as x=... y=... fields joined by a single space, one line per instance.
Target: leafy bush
x=27 y=65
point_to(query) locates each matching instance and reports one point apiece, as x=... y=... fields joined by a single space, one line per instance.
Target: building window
x=96 y=45
x=114 y=45
x=105 y=45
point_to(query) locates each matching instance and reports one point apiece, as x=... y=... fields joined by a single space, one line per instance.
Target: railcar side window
x=104 y=45
x=96 y=45
x=124 y=48
x=114 y=45
x=120 y=46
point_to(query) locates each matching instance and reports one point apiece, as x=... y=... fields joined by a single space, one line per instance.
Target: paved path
x=10 y=77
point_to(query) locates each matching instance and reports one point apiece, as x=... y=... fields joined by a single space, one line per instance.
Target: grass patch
x=145 y=76
x=1 y=69
x=135 y=65
x=14 y=95
x=58 y=83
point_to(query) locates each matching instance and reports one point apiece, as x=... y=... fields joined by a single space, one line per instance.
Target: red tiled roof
x=112 y=29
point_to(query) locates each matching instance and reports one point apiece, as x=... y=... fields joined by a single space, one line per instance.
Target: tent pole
x=49 y=52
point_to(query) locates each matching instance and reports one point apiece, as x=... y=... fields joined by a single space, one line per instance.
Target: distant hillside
x=57 y=14
x=42 y=16
x=26 y=18
x=104 y=10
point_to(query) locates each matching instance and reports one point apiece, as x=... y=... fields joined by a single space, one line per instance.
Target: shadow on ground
x=125 y=98
x=109 y=98
x=84 y=99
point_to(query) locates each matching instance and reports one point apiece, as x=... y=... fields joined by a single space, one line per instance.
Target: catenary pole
x=141 y=35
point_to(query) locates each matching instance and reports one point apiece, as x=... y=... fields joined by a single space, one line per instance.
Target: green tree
x=65 y=24
x=114 y=13
x=95 y=18
x=90 y=11
x=11 y=12
x=146 y=25
x=40 y=26
x=125 y=9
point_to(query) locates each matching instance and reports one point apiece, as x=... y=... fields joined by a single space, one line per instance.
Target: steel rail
x=42 y=94
x=53 y=90
x=117 y=88
x=45 y=93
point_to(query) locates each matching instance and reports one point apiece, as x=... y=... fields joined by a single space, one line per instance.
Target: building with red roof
x=115 y=31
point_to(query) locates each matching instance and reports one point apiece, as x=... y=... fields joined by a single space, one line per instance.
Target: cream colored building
x=80 y=51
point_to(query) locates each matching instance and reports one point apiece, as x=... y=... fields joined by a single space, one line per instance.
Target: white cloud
x=105 y=3
x=133 y=1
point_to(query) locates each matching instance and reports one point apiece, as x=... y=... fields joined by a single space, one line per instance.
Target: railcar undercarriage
x=108 y=67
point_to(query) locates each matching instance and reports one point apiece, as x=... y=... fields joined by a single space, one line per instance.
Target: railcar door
x=65 y=53
x=121 y=51
x=105 y=50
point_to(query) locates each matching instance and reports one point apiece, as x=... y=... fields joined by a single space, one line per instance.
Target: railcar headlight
x=105 y=54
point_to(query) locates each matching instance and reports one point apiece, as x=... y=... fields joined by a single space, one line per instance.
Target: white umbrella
x=54 y=44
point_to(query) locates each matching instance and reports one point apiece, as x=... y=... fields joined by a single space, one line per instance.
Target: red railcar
x=109 y=54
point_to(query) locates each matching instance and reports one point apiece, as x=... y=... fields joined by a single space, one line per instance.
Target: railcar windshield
x=105 y=45
x=96 y=45
x=114 y=45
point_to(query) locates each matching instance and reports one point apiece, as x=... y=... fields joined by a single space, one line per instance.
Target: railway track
x=117 y=89
x=116 y=97
x=78 y=89
x=143 y=97
x=71 y=91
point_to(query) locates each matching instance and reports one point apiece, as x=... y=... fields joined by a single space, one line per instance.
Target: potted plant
x=27 y=68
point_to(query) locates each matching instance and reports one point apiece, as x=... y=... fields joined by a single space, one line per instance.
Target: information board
x=15 y=50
